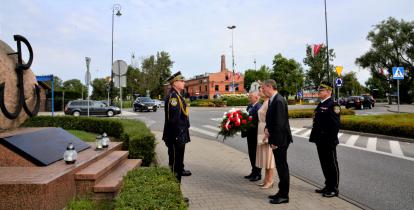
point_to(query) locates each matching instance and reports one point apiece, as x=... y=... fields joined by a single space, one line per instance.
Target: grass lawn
x=85 y=136
x=398 y=119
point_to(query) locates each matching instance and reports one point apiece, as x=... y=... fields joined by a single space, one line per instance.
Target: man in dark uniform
x=176 y=133
x=251 y=134
x=324 y=134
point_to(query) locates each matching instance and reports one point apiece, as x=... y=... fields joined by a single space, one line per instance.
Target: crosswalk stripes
x=372 y=144
x=297 y=130
x=395 y=148
x=212 y=127
x=205 y=132
x=351 y=141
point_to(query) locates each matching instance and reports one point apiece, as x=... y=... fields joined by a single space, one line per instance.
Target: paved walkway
x=217 y=181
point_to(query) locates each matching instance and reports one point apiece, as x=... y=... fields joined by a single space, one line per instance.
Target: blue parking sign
x=398 y=73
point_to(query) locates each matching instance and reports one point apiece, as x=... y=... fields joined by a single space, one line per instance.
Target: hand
x=273 y=146
x=266 y=133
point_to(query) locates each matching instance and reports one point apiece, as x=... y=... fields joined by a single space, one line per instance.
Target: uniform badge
x=173 y=102
x=337 y=109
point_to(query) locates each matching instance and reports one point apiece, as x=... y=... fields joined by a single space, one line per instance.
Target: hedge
x=308 y=113
x=136 y=137
x=150 y=188
x=208 y=103
x=400 y=125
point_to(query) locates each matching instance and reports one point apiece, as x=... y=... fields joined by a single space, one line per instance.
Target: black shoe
x=255 y=178
x=279 y=200
x=273 y=196
x=323 y=190
x=330 y=194
x=186 y=173
x=248 y=176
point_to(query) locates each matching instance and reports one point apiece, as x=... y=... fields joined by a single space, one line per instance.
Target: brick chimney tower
x=223 y=63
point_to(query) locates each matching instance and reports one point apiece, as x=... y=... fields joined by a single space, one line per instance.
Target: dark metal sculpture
x=20 y=67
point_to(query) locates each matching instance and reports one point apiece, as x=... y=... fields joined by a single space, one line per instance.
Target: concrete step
x=101 y=167
x=109 y=186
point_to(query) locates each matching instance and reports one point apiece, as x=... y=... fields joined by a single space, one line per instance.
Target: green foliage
x=308 y=113
x=136 y=137
x=252 y=75
x=380 y=86
x=391 y=45
x=125 y=104
x=99 y=89
x=235 y=99
x=89 y=204
x=317 y=66
x=74 y=85
x=401 y=125
x=351 y=85
x=288 y=75
x=150 y=188
x=85 y=136
x=208 y=103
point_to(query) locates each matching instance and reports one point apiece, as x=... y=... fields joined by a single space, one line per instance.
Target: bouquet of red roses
x=233 y=121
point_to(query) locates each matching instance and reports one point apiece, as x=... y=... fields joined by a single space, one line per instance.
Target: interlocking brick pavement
x=217 y=181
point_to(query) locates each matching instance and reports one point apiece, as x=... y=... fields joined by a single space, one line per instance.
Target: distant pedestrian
x=280 y=136
x=326 y=122
x=251 y=134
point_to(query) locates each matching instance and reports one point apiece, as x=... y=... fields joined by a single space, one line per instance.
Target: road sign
x=119 y=68
x=338 y=82
x=300 y=94
x=398 y=73
x=254 y=86
x=339 y=70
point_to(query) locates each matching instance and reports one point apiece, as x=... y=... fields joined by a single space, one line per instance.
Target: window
x=216 y=88
x=206 y=88
x=227 y=87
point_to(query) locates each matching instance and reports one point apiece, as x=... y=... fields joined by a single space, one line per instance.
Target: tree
x=377 y=87
x=251 y=75
x=350 y=86
x=99 y=89
x=133 y=81
x=392 y=45
x=75 y=85
x=57 y=83
x=317 y=66
x=288 y=75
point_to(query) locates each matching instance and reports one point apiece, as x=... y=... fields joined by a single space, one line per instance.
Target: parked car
x=358 y=102
x=144 y=104
x=80 y=107
x=370 y=98
x=159 y=103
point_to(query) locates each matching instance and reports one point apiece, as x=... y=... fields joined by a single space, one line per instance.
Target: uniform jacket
x=253 y=112
x=277 y=122
x=176 y=120
x=325 y=124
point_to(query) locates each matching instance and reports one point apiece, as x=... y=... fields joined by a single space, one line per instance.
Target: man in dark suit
x=279 y=137
x=251 y=135
x=324 y=134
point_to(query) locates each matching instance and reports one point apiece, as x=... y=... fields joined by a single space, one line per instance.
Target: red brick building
x=219 y=83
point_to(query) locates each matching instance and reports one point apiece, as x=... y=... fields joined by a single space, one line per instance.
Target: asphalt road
x=377 y=173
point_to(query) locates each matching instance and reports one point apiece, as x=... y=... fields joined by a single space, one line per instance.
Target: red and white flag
x=315 y=49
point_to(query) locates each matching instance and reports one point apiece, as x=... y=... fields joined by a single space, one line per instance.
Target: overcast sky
x=194 y=32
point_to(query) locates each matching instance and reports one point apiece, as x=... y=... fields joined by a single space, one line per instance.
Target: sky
x=194 y=32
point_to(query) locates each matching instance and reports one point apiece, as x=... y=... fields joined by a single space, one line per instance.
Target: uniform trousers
x=329 y=164
x=176 y=158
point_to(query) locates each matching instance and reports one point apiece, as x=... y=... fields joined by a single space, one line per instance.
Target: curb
x=402 y=139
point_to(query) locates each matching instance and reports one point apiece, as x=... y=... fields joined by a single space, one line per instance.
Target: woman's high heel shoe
x=267 y=186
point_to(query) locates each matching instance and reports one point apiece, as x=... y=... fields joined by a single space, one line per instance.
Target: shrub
x=136 y=137
x=235 y=99
x=89 y=204
x=208 y=103
x=308 y=113
x=150 y=188
x=401 y=125
x=125 y=104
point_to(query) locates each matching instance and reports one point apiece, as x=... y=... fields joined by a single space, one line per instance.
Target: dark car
x=80 y=107
x=358 y=102
x=144 y=104
x=370 y=98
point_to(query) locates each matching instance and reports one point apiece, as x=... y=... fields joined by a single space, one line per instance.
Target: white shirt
x=325 y=99
x=271 y=98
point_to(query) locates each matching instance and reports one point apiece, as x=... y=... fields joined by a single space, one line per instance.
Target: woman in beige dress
x=264 y=154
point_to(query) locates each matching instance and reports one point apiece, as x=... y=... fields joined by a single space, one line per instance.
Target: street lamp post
x=232 y=53
x=115 y=8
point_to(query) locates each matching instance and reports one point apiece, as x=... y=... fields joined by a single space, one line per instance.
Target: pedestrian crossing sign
x=398 y=73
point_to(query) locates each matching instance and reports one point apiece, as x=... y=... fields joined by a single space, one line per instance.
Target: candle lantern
x=105 y=140
x=70 y=154
x=99 y=145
